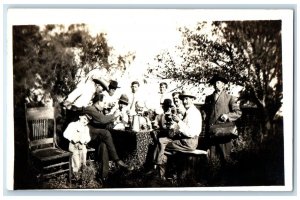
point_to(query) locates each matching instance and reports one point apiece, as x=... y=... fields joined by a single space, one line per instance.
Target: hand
x=175 y=118
x=224 y=117
x=117 y=113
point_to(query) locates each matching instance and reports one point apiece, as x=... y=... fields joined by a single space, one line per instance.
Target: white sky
x=143 y=31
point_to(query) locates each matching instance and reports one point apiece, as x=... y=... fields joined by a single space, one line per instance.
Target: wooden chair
x=45 y=157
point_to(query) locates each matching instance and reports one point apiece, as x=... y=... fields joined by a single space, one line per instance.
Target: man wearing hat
x=100 y=136
x=220 y=107
x=111 y=96
x=122 y=121
x=188 y=129
x=82 y=95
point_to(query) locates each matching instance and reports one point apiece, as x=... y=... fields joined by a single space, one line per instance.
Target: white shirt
x=191 y=125
x=160 y=99
x=133 y=98
x=83 y=94
x=77 y=132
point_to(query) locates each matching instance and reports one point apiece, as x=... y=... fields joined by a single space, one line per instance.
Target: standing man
x=220 y=107
x=186 y=132
x=134 y=97
x=162 y=95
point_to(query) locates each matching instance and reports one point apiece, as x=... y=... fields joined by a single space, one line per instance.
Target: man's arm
x=98 y=117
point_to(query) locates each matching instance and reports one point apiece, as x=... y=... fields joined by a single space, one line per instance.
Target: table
x=132 y=147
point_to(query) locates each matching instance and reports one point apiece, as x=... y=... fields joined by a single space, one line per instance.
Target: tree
x=54 y=54
x=248 y=53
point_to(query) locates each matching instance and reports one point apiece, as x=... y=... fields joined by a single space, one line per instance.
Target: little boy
x=78 y=134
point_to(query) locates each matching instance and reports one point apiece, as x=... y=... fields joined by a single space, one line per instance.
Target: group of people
x=176 y=121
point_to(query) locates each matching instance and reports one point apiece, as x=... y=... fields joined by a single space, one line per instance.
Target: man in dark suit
x=220 y=107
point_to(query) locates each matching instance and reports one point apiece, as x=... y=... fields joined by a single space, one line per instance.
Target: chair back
x=41 y=127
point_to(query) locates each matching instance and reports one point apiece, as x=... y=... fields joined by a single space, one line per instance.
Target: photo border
x=7 y=81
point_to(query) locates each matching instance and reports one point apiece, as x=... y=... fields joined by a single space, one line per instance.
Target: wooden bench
x=189 y=164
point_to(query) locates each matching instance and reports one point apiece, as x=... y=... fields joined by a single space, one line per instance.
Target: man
x=111 y=96
x=122 y=121
x=162 y=95
x=134 y=96
x=83 y=94
x=100 y=135
x=188 y=129
x=220 y=107
x=180 y=109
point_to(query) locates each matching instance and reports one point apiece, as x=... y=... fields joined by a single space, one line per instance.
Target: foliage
x=50 y=57
x=247 y=53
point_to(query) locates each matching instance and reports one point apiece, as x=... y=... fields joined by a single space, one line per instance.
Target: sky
x=144 y=31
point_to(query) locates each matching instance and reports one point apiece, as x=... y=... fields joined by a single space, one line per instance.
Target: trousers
x=102 y=141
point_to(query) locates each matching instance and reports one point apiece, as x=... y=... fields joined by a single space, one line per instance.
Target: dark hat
x=217 y=77
x=113 y=85
x=167 y=103
x=186 y=93
x=101 y=82
x=98 y=97
x=123 y=99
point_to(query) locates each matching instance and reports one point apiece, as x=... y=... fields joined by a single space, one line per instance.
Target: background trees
x=49 y=57
x=248 y=53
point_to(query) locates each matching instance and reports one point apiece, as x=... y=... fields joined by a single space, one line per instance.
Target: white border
x=35 y=16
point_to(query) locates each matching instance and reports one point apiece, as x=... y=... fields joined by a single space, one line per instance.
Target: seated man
x=186 y=132
x=100 y=135
x=122 y=121
x=164 y=123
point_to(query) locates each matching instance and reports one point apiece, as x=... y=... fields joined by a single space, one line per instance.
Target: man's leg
x=104 y=136
x=104 y=163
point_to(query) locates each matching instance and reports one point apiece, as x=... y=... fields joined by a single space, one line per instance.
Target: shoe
x=152 y=172
x=123 y=165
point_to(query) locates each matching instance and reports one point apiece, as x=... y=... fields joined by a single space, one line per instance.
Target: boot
x=123 y=165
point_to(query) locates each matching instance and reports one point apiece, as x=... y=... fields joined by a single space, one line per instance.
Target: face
x=176 y=99
x=134 y=88
x=219 y=86
x=111 y=91
x=99 y=88
x=139 y=108
x=122 y=105
x=162 y=88
x=187 y=102
x=83 y=119
x=99 y=105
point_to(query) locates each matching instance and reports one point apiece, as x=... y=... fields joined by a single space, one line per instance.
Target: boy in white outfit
x=79 y=135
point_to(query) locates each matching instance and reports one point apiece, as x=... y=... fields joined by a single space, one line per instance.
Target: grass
x=253 y=162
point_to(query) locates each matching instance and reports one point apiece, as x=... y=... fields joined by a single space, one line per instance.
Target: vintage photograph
x=150 y=99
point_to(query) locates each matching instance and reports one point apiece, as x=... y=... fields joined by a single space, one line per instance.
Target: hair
x=175 y=93
x=98 y=97
x=135 y=82
x=163 y=83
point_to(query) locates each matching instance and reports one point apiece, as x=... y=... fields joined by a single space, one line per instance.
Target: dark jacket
x=99 y=120
x=225 y=104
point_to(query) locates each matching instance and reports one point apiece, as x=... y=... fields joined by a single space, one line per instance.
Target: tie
x=133 y=101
